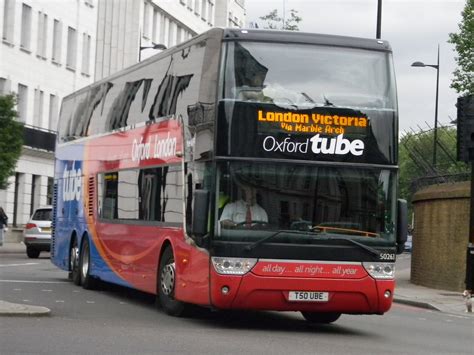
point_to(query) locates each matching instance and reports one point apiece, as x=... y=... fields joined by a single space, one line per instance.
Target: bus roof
x=305 y=38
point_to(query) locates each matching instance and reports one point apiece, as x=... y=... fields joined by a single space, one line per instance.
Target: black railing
x=39 y=138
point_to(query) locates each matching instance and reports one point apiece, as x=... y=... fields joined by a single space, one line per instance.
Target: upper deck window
x=301 y=76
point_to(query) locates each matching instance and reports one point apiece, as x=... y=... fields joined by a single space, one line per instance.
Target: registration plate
x=307 y=296
x=46 y=229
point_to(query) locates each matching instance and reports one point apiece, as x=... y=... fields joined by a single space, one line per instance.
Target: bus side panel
x=192 y=273
x=135 y=260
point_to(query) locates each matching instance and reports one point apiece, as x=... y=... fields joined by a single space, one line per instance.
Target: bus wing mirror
x=402 y=225
x=200 y=213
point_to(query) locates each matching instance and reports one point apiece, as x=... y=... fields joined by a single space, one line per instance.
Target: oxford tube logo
x=72 y=183
x=318 y=145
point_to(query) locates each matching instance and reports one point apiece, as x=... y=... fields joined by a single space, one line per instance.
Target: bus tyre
x=166 y=285
x=321 y=318
x=87 y=280
x=74 y=263
x=32 y=252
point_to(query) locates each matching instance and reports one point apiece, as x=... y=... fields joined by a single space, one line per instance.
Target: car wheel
x=166 y=285
x=322 y=318
x=32 y=252
x=74 y=263
x=87 y=280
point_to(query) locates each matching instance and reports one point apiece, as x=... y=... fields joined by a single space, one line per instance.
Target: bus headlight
x=233 y=266
x=380 y=270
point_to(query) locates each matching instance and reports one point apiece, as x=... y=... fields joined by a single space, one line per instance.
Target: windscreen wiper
x=372 y=251
x=268 y=237
x=250 y=247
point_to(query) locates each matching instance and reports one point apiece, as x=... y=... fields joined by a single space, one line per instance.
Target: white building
x=47 y=52
x=51 y=48
x=125 y=26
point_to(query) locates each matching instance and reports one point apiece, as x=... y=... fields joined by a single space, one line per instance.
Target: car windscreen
x=42 y=214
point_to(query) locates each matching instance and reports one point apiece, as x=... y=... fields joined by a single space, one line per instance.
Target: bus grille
x=90 y=196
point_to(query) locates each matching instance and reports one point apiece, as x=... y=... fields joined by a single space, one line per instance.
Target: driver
x=245 y=211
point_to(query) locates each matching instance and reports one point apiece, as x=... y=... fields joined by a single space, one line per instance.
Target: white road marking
x=90 y=301
x=59 y=301
x=34 y=282
x=47 y=290
x=17 y=289
x=25 y=264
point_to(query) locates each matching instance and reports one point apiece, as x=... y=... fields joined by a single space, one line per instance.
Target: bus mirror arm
x=200 y=214
x=402 y=225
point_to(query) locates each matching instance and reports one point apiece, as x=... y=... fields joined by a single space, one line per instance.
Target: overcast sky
x=414 y=29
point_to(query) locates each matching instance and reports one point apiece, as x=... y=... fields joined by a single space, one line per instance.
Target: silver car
x=37 y=232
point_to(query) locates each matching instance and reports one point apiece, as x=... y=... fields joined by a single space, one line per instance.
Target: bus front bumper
x=356 y=296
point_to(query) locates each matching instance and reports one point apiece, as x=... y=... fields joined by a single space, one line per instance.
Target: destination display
x=320 y=133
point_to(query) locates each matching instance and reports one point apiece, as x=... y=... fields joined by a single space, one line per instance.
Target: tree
x=415 y=160
x=11 y=138
x=274 y=21
x=463 y=81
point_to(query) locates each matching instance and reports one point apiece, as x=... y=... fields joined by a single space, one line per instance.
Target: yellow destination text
x=288 y=117
x=335 y=120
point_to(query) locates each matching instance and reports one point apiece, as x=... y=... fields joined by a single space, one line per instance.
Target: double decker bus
x=148 y=160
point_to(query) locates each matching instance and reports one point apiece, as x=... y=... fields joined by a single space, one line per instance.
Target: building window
x=57 y=36
x=197 y=7
x=179 y=34
x=171 y=34
x=204 y=10
x=38 y=108
x=4 y=86
x=8 y=20
x=182 y=2
x=25 y=41
x=210 y=12
x=190 y=5
x=42 y=34
x=53 y=112
x=35 y=190
x=156 y=26
x=50 y=191
x=86 y=52
x=89 y=3
x=71 y=48
x=146 y=20
x=22 y=104
x=163 y=30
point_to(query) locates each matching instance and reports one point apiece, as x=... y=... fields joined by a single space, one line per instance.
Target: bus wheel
x=87 y=280
x=74 y=263
x=322 y=318
x=166 y=285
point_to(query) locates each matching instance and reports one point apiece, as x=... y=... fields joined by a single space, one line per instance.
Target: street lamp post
x=155 y=46
x=379 y=19
x=435 y=139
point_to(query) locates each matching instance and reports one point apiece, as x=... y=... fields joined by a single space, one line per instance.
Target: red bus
x=243 y=169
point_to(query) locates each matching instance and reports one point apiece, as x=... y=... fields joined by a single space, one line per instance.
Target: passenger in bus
x=244 y=212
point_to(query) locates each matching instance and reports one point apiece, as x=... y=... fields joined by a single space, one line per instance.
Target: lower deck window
x=154 y=194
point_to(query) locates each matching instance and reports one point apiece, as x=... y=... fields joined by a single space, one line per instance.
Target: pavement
x=405 y=293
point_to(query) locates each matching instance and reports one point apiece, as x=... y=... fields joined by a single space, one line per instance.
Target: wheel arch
x=166 y=244
x=71 y=243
